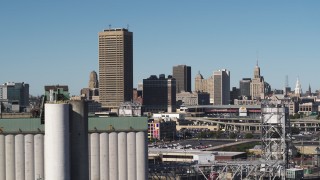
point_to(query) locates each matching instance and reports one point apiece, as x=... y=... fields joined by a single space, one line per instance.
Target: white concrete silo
x=142 y=155
x=39 y=156
x=104 y=156
x=29 y=156
x=57 y=150
x=2 y=157
x=95 y=156
x=79 y=164
x=131 y=154
x=19 y=157
x=113 y=156
x=10 y=158
x=122 y=156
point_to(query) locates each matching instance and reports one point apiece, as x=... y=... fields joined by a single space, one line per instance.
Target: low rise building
x=161 y=130
x=194 y=98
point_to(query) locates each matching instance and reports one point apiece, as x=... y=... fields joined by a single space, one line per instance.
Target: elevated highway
x=244 y=124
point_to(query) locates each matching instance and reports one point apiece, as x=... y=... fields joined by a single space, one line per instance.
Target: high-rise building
x=221 y=86
x=257 y=89
x=159 y=94
x=115 y=67
x=182 y=74
x=93 y=82
x=204 y=85
x=93 y=91
x=15 y=93
x=245 y=87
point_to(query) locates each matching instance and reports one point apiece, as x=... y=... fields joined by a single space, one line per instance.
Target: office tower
x=234 y=94
x=115 y=67
x=159 y=94
x=93 y=91
x=182 y=74
x=221 y=86
x=93 y=82
x=257 y=89
x=204 y=85
x=245 y=87
x=199 y=85
x=15 y=93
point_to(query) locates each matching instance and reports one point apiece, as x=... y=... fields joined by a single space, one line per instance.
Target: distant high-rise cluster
x=218 y=86
x=14 y=96
x=115 y=67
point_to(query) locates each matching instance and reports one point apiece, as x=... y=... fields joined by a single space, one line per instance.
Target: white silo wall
x=29 y=157
x=39 y=156
x=89 y=152
x=10 y=158
x=122 y=156
x=104 y=156
x=95 y=156
x=19 y=156
x=113 y=156
x=2 y=157
x=57 y=150
x=131 y=154
x=142 y=155
x=79 y=140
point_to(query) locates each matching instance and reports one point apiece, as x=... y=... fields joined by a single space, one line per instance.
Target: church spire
x=298 y=90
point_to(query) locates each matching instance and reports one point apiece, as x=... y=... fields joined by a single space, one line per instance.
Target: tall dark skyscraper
x=182 y=74
x=245 y=87
x=159 y=94
x=115 y=67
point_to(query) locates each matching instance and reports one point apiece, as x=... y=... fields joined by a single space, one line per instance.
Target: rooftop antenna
x=109 y=26
x=128 y=27
x=257 y=58
x=287 y=81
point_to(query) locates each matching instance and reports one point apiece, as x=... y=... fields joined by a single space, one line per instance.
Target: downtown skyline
x=48 y=43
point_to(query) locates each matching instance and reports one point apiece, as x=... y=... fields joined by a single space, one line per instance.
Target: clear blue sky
x=56 y=42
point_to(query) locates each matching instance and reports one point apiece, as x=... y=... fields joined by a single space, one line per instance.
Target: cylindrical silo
x=19 y=156
x=131 y=155
x=142 y=155
x=39 y=156
x=2 y=157
x=10 y=158
x=122 y=156
x=113 y=155
x=89 y=152
x=57 y=150
x=29 y=157
x=104 y=156
x=95 y=156
x=79 y=140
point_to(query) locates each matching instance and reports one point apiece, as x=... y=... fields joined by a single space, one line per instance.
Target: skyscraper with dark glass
x=115 y=67
x=182 y=74
x=159 y=94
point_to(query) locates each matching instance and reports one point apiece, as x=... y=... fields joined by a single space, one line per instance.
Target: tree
x=248 y=136
x=233 y=135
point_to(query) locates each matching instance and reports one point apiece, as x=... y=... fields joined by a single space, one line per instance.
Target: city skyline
x=48 y=43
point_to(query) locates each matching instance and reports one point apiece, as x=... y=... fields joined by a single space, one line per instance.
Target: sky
x=46 y=42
